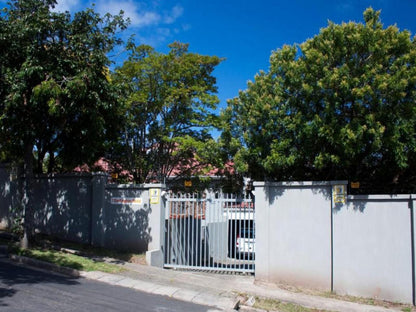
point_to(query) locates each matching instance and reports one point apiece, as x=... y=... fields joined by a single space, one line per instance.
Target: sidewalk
x=216 y=289
x=220 y=290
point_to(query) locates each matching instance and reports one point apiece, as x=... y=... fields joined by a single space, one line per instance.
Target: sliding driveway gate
x=210 y=232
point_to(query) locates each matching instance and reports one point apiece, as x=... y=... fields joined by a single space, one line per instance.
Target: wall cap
x=298 y=183
x=136 y=186
x=398 y=197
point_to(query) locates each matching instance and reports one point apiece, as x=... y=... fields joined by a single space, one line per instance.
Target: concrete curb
x=221 y=302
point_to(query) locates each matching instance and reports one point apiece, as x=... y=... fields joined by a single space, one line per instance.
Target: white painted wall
x=293 y=233
x=372 y=248
x=362 y=247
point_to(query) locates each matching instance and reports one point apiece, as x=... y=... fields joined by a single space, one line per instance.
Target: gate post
x=155 y=247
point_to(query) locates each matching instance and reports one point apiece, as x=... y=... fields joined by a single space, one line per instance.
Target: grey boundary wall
x=363 y=247
x=84 y=208
x=9 y=191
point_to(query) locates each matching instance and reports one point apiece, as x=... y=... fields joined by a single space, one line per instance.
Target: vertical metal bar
x=191 y=230
x=253 y=215
x=188 y=228
x=233 y=233
x=172 y=224
x=181 y=231
x=222 y=237
x=214 y=202
x=192 y=217
x=195 y=231
x=176 y=232
x=412 y=239
x=332 y=240
x=207 y=232
x=200 y=232
x=234 y=238
x=229 y=233
x=238 y=206
x=174 y=235
x=168 y=252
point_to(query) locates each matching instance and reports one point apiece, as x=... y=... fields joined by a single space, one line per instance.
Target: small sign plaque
x=154 y=195
x=126 y=201
x=188 y=183
x=339 y=194
x=355 y=185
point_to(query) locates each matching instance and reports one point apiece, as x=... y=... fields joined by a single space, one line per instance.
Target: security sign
x=154 y=196
x=339 y=194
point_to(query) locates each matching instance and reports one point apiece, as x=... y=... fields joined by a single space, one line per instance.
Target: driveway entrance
x=210 y=232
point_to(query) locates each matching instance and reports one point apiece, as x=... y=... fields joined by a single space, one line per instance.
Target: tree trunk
x=27 y=196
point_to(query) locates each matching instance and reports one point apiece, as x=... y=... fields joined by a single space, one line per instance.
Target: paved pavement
x=219 y=290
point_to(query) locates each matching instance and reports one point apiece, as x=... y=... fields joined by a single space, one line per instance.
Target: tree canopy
x=57 y=105
x=171 y=101
x=338 y=106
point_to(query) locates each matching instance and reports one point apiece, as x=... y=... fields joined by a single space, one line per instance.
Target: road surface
x=31 y=290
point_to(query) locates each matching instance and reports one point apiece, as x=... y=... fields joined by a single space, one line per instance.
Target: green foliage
x=338 y=106
x=69 y=260
x=55 y=96
x=17 y=221
x=170 y=104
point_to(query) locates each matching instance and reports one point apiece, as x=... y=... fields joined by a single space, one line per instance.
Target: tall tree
x=57 y=104
x=338 y=106
x=170 y=103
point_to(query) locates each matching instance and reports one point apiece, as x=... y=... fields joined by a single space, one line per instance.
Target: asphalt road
x=27 y=289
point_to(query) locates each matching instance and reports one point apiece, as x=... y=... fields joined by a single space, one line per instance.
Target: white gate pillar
x=155 y=247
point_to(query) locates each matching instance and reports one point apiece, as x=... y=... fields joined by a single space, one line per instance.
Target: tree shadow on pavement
x=12 y=274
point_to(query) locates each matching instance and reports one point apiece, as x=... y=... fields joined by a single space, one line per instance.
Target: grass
x=268 y=304
x=69 y=260
x=76 y=256
x=277 y=305
x=370 y=301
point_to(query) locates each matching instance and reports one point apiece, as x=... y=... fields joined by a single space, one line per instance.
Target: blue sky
x=243 y=32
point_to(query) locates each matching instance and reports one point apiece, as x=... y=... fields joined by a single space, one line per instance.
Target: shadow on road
x=12 y=274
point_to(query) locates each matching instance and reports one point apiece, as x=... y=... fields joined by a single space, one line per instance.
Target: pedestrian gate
x=209 y=232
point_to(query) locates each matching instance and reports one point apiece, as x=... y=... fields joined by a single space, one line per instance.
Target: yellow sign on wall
x=355 y=185
x=339 y=194
x=188 y=183
x=154 y=195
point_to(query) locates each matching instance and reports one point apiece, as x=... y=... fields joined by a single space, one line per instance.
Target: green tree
x=171 y=101
x=338 y=106
x=57 y=105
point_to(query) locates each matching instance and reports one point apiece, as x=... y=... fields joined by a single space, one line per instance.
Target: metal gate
x=209 y=232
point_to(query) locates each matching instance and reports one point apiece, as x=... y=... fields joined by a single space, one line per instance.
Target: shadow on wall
x=9 y=194
x=356 y=205
x=62 y=207
x=277 y=189
x=127 y=228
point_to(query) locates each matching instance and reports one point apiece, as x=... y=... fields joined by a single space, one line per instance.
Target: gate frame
x=195 y=226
